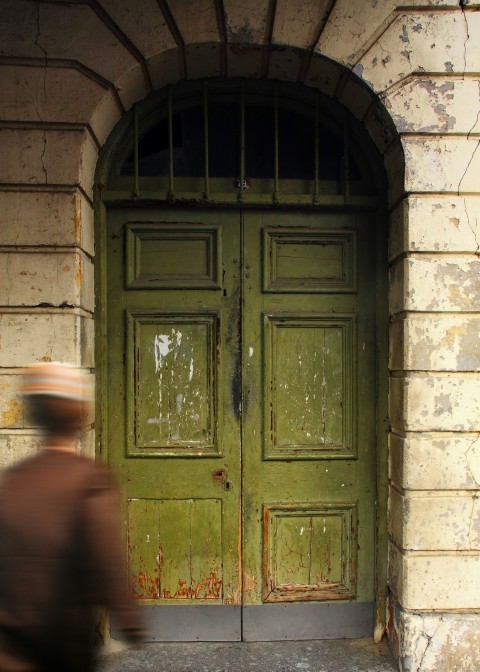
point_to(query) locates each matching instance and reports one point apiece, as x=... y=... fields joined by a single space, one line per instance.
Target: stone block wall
x=47 y=157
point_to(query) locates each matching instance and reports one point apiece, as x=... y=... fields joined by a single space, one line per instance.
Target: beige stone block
x=35 y=156
x=78 y=33
x=296 y=23
x=435 y=104
x=446 y=163
x=438 y=642
x=429 y=522
x=46 y=218
x=435 y=224
x=197 y=21
x=17 y=446
x=18 y=28
x=323 y=74
x=285 y=64
x=244 y=60
x=435 y=283
x=381 y=129
x=361 y=28
x=203 y=60
x=420 y=42
x=246 y=21
x=435 y=343
x=32 y=94
x=398 y=229
x=164 y=68
x=422 y=581
x=12 y=409
x=105 y=117
x=45 y=337
x=132 y=86
x=430 y=403
x=394 y=162
x=88 y=164
x=357 y=97
x=143 y=23
x=55 y=278
x=435 y=462
x=86 y=444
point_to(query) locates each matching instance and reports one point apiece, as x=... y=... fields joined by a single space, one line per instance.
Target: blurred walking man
x=60 y=552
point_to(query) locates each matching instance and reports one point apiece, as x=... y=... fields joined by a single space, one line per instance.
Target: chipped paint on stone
x=442 y=163
x=435 y=283
x=440 y=402
x=435 y=104
x=435 y=343
x=435 y=44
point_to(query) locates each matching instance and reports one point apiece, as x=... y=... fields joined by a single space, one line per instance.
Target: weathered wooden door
x=241 y=412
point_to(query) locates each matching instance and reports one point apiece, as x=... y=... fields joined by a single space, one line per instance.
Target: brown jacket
x=60 y=555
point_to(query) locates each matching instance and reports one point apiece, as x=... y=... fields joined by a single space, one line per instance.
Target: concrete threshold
x=339 y=655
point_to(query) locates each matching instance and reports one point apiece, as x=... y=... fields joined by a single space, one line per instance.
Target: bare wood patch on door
x=310 y=383
x=175 y=549
x=172 y=369
x=310 y=552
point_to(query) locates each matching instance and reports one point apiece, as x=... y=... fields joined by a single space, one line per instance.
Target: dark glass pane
x=224 y=140
x=188 y=147
x=296 y=139
x=260 y=141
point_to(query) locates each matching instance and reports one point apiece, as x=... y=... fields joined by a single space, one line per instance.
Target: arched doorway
x=240 y=326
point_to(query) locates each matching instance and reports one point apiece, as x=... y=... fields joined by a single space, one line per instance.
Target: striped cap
x=56 y=379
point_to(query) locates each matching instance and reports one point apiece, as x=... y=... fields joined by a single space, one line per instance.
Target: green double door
x=241 y=419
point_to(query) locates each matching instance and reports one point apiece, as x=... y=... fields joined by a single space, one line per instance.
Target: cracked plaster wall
x=67 y=75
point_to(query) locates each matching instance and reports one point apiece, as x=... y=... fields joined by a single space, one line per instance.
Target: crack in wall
x=468 y=166
x=471 y=447
x=430 y=638
x=474 y=232
x=462 y=7
x=43 y=156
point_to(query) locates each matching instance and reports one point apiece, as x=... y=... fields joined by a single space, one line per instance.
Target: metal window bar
x=316 y=149
x=346 y=165
x=205 y=130
x=136 y=191
x=170 y=144
x=275 y=123
x=242 y=143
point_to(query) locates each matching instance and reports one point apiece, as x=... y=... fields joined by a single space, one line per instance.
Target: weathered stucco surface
x=68 y=73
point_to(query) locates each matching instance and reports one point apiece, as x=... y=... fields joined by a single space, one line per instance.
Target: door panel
x=174 y=429
x=308 y=419
x=242 y=418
